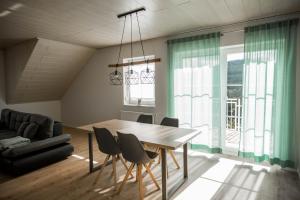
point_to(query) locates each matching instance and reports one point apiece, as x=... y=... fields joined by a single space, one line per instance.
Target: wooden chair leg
x=159 y=157
x=114 y=171
x=174 y=158
x=137 y=174
x=151 y=175
x=150 y=164
x=140 y=178
x=102 y=167
x=123 y=162
x=125 y=178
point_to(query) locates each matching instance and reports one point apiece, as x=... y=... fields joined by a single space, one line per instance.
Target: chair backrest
x=147 y=119
x=132 y=149
x=167 y=121
x=106 y=141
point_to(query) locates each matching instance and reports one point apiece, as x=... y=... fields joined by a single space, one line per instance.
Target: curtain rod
x=236 y=23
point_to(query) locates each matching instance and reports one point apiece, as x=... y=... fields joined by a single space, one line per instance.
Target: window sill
x=136 y=105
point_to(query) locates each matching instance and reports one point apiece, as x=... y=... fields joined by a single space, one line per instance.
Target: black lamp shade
x=116 y=78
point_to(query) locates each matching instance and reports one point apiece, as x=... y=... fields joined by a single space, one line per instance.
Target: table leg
x=164 y=173
x=93 y=168
x=90 y=140
x=185 y=160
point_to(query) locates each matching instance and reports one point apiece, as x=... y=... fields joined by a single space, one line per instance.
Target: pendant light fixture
x=132 y=77
x=116 y=77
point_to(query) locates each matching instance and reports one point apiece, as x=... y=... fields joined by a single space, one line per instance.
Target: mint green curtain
x=194 y=87
x=268 y=125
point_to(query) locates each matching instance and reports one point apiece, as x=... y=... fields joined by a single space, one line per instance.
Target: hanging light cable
x=132 y=77
x=147 y=76
x=116 y=77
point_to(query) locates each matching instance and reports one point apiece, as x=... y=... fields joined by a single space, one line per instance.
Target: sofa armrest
x=36 y=146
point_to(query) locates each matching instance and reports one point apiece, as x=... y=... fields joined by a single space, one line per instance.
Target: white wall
x=49 y=108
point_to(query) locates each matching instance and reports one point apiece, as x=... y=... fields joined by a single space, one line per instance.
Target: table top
x=151 y=134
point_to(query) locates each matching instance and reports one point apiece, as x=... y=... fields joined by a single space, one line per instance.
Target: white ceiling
x=94 y=23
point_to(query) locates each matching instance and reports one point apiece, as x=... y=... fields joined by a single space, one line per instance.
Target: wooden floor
x=210 y=177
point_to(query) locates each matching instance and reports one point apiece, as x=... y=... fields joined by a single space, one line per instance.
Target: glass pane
x=135 y=91
x=235 y=72
x=147 y=91
x=235 y=64
x=234 y=91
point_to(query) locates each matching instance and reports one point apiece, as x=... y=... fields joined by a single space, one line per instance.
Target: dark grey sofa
x=48 y=145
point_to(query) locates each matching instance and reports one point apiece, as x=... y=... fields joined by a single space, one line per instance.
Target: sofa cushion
x=30 y=131
x=16 y=118
x=5 y=134
x=57 y=128
x=22 y=128
x=45 y=129
x=5 y=114
x=35 y=147
x=21 y=117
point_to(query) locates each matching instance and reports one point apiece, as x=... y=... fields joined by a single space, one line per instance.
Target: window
x=139 y=94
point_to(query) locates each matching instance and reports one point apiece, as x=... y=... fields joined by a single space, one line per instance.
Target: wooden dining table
x=164 y=137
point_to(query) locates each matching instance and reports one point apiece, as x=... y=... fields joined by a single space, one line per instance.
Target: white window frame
x=127 y=99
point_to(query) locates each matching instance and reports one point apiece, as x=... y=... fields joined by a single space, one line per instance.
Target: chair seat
x=151 y=154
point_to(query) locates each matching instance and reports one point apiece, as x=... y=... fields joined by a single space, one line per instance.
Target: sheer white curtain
x=268 y=131
x=195 y=87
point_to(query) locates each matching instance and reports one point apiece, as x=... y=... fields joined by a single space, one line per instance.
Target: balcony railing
x=233 y=114
x=233 y=122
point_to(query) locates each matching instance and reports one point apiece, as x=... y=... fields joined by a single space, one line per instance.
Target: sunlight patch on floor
x=236 y=193
x=77 y=156
x=104 y=190
x=88 y=160
x=203 y=189
x=221 y=170
x=82 y=158
x=228 y=178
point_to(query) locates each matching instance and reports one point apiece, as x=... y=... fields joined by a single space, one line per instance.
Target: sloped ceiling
x=46 y=70
x=94 y=23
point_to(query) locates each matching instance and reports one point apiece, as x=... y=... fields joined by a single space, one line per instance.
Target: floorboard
x=210 y=177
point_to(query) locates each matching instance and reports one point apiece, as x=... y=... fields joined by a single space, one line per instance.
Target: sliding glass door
x=242 y=107
x=232 y=61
